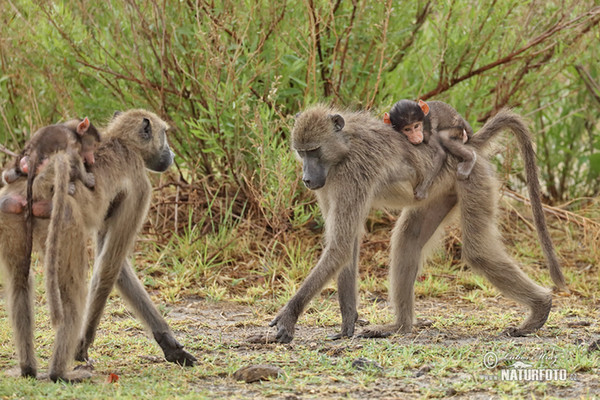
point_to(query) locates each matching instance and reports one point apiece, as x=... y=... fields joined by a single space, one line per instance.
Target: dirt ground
x=233 y=323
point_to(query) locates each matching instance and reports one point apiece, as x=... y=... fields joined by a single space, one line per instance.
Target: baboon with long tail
x=114 y=211
x=354 y=162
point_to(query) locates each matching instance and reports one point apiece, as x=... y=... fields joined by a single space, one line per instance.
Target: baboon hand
x=285 y=323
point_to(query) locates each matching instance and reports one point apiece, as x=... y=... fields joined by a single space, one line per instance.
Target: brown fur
x=442 y=129
x=366 y=164
x=79 y=139
x=114 y=211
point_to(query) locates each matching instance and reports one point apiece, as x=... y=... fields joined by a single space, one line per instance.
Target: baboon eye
x=146 y=129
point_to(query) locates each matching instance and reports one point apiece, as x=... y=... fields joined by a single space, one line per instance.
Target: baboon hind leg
x=412 y=233
x=19 y=298
x=484 y=251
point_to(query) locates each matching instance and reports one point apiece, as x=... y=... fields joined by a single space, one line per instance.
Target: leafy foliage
x=230 y=75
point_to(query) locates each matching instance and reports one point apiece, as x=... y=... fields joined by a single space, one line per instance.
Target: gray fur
x=369 y=165
x=114 y=211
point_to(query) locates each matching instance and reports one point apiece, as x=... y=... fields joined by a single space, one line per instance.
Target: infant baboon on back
x=439 y=125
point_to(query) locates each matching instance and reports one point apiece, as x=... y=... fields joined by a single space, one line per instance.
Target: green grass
x=212 y=307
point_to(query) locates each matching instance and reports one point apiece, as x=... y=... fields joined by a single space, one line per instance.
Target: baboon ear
x=298 y=114
x=338 y=121
x=83 y=126
x=116 y=114
x=424 y=107
x=146 y=129
x=386 y=118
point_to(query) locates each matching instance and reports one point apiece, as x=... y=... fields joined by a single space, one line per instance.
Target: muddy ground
x=232 y=324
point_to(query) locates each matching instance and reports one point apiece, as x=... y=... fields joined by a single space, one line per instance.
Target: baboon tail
x=54 y=245
x=33 y=160
x=506 y=119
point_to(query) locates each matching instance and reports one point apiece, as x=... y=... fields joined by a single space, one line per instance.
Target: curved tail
x=54 y=244
x=507 y=119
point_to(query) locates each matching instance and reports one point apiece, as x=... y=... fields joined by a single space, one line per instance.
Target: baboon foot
x=423 y=323
x=347 y=329
x=173 y=350
x=420 y=193
x=595 y=346
x=70 y=377
x=90 y=180
x=286 y=324
x=465 y=167
x=12 y=204
x=262 y=339
x=463 y=171
x=379 y=331
x=17 y=372
x=538 y=317
x=181 y=357
x=82 y=353
x=25 y=372
x=29 y=372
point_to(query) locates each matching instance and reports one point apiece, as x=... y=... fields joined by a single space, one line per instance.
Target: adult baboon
x=354 y=162
x=114 y=211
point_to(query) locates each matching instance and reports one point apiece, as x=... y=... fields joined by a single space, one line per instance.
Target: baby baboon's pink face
x=414 y=132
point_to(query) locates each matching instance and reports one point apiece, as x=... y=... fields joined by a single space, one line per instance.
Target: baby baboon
x=114 y=211
x=354 y=163
x=441 y=126
x=74 y=135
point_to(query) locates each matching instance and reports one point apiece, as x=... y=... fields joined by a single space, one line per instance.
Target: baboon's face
x=314 y=168
x=318 y=142
x=160 y=156
x=148 y=133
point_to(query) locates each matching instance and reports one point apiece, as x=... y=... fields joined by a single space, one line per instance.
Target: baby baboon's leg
x=484 y=251
x=136 y=296
x=412 y=233
x=457 y=148
x=348 y=295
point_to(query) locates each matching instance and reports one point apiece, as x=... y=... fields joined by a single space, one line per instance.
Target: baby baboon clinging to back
x=114 y=211
x=354 y=162
x=439 y=125
x=77 y=137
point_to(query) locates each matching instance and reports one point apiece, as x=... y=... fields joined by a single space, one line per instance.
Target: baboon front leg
x=348 y=296
x=412 y=232
x=136 y=296
x=343 y=231
x=19 y=296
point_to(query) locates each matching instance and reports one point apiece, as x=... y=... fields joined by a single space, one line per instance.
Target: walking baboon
x=441 y=126
x=114 y=211
x=355 y=162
